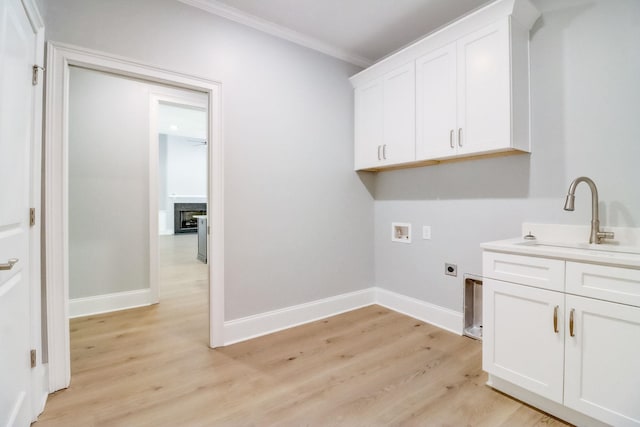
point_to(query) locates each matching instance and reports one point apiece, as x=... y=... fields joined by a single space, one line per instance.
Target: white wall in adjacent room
x=183 y=172
x=186 y=166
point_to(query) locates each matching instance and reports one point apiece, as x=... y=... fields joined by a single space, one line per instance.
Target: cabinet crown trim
x=521 y=11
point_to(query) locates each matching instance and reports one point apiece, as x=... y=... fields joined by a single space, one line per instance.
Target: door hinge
x=33 y=358
x=32 y=216
x=34 y=75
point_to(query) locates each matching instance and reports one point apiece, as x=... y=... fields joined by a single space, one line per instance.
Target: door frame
x=37 y=383
x=59 y=57
x=155 y=99
x=39 y=386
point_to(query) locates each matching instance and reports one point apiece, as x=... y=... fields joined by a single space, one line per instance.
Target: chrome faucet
x=596 y=235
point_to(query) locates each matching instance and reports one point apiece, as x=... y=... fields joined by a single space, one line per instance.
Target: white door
x=17 y=44
x=602 y=365
x=399 y=123
x=436 y=130
x=484 y=103
x=368 y=127
x=523 y=336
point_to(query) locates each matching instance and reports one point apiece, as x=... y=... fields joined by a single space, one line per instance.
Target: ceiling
x=182 y=121
x=358 y=31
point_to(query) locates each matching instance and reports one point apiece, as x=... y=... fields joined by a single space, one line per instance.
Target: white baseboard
x=109 y=302
x=265 y=323
x=434 y=314
x=272 y=321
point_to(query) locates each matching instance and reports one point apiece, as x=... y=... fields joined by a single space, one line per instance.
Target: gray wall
x=585 y=94
x=299 y=220
x=299 y=223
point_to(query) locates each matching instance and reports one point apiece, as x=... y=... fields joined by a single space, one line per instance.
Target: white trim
x=430 y=313
x=272 y=321
x=60 y=57
x=241 y=17
x=98 y=304
x=35 y=19
x=40 y=390
x=154 y=250
x=19 y=406
x=39 y=386
x=521 y=10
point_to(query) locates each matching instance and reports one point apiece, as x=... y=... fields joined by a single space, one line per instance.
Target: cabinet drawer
x=539 y=272
x=615 y=284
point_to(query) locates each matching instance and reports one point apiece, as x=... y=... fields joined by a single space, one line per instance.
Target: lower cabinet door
x=602 y=366
x=523 y=336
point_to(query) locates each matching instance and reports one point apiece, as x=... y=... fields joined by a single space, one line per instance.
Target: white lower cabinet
x=523 y=347
x=602 y=360
x=581 y=354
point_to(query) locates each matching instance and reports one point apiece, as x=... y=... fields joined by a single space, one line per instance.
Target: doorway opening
x=64 y=215
x=179 y=135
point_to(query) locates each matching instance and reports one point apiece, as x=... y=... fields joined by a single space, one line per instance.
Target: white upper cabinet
x=463 y=96
x=436 y=124
x=459 y=92
x=484 y=113
x=385 y=119
x=398 y=145
x=368 y=124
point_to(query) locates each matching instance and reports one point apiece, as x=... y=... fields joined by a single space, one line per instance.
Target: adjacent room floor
x=151 y=366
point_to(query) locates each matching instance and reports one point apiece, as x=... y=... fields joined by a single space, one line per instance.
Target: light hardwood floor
x=152 y=367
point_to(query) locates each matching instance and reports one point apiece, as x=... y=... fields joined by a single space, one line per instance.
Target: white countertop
x=610 y=254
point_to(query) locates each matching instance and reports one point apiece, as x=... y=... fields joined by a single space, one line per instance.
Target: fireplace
x=184 y=216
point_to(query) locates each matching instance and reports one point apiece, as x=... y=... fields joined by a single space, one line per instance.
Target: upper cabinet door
x=484 y=103
x=369 y=124
x=399 y=115
x=436 y=104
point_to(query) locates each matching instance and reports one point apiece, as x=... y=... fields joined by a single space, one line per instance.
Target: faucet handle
x=604 y=235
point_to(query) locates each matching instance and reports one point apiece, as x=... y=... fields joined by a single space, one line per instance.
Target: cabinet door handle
x=459 y=137
x=9 y=264
x=451 y=138
x=571 y=315
x=555 y=319
x=379 y=153
x=384 y=151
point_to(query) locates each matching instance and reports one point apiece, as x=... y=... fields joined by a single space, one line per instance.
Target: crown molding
x=35 y=19
x=218 y=8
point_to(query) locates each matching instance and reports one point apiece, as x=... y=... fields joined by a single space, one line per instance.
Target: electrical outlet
x=451 y=269
x=426 y=232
